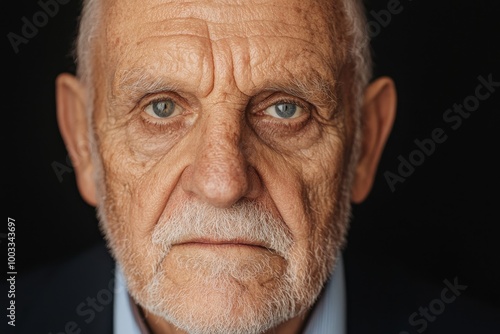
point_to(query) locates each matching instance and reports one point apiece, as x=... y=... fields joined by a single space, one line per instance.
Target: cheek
x=136 y=159
x=324 y=196
x=323 y=182
x=311 y=185
x=305 y=189
x=140 y=171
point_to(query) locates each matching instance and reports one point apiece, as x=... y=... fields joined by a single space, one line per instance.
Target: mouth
x=207 y=242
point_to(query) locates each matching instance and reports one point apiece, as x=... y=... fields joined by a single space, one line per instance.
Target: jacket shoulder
x=75 y=296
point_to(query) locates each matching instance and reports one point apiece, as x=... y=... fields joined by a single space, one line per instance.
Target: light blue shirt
x=327 y=317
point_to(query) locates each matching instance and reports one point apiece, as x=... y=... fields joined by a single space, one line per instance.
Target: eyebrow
x=140 y=81
x=314 y=88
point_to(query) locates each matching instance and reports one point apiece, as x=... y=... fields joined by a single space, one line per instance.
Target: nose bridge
x=220 y=142
x=219 y=171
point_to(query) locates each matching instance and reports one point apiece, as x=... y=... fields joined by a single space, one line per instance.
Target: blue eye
x=284 y=110
x=162 y=109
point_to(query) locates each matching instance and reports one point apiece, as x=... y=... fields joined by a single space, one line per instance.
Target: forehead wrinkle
x=316 y=16
x=299 y=71
x=225 y=30
x=219 y=31
x=178 y=26
x=307 y=20
x=240 y=10
x=199 y=30
x=173 y=64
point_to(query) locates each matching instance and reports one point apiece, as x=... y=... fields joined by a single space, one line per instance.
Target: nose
x=220 y=174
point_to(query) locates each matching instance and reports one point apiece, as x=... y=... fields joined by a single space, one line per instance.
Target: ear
x=72 y=121
x=378 y=113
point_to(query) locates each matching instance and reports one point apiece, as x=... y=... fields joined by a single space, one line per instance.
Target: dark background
x=441 y=222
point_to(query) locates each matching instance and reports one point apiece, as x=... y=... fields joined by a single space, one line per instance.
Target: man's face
x=224 y=143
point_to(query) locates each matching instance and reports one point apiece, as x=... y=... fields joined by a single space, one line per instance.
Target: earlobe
x=378 y=114
x=72 y=121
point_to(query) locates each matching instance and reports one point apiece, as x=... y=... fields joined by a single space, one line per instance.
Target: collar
x=327 y=317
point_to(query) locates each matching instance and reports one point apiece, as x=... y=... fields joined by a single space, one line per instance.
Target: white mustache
x=247 y=221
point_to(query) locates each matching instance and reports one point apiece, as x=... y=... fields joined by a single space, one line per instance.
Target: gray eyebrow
x=138 y=81
x=314 y=88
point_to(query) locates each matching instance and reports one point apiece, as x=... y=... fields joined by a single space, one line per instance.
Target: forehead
x=171 y=36
x=297 y=18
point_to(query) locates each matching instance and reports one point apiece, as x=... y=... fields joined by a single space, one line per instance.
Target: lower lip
x=221 y=245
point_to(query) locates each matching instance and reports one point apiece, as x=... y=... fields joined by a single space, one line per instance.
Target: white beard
x=220 y=301
x=220 y=296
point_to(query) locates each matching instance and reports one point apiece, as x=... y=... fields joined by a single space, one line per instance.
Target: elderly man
x=222 y=143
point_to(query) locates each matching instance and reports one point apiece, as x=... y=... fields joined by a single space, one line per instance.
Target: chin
x=222 y=305
x=209 y=295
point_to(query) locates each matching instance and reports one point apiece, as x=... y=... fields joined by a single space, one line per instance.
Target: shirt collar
x=327 y=317
x=329 y=313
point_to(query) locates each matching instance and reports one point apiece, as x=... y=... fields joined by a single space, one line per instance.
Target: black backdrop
x=441 y=221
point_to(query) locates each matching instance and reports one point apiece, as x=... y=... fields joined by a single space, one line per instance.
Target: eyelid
x=278 y=98
x=161 y=96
